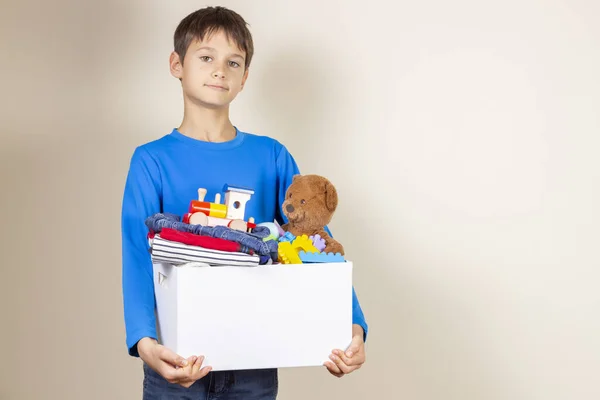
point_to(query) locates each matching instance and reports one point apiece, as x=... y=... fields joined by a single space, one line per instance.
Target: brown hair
x=209 y=20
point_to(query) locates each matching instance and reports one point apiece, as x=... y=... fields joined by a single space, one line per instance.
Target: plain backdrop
x=462 y=136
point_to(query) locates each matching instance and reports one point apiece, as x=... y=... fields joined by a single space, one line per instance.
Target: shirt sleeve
x=358 y=317
x=141 y=199
x=286 y=169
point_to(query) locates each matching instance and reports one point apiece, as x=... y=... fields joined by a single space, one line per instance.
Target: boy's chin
x=212 y=104
x=209 y=100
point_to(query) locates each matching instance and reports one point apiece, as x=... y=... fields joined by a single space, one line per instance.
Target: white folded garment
x=180 y=253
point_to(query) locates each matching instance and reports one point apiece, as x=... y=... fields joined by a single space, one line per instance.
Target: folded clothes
x=265 y=260
x=179 y=253
x=206 y=242
x=253 y=240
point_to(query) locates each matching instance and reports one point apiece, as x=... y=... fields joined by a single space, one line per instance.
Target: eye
x=302 y=201
x=290 y=196
x=205 y=58
x=233 y=64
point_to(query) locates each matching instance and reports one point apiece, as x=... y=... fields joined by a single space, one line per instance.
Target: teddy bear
x=309 y=204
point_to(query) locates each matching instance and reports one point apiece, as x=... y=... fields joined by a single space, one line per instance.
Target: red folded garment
x=207 y=242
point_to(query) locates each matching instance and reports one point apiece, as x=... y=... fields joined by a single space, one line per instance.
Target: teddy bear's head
x=310 y=202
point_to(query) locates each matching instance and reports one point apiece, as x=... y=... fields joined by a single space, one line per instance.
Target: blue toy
x=320 y=257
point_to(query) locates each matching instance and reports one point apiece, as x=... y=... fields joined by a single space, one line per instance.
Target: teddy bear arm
x=332 y=245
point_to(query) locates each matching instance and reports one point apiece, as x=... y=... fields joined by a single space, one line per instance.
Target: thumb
x=354 y=346
x=172 y=358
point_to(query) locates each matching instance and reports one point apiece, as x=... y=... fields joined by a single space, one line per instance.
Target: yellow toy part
x=287 y=254
x=304 y=243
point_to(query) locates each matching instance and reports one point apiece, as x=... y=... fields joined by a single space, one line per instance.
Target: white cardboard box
x=270 y=316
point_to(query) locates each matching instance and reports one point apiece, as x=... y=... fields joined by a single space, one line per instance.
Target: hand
x=354 y=357
x=172 y=367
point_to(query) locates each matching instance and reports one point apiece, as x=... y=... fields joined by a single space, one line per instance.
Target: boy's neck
x=209 y=125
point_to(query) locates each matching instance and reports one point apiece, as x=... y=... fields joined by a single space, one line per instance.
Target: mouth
x=295 y=216
x=218 y=87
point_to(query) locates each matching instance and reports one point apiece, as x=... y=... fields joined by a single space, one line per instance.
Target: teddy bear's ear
x=331 y=197
x=295 y=177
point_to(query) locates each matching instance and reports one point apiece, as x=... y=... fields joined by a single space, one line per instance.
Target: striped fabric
x=178 y=253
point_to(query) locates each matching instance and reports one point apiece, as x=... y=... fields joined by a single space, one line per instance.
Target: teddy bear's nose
x=289 y=208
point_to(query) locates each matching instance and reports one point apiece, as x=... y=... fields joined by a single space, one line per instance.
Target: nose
x=219 y=72
x=289 y=208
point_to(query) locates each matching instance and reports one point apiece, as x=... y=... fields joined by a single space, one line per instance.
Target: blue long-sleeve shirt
x=165 y=174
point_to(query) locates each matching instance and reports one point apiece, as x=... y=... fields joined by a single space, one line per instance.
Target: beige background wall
x=463 y=139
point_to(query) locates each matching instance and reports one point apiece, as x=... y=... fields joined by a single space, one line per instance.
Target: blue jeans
x=261 y=384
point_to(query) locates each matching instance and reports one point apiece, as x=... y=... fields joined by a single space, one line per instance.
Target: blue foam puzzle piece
x=320 y=257
x=287 y=237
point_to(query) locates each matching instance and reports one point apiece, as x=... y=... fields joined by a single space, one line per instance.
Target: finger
x=356 y=360
x=333 y=369
x=341 y=365
x=177 y=374
x=197 y=372
x=342 y=356
x=354 y=347
x=191 y=361
x=173 y=375
x=181 y=375
x=197 y=365
x=175 y=360
x=203 y=372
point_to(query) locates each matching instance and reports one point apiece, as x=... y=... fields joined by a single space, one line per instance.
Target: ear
x=295 y=177
x=331 y=197
x=175 y=65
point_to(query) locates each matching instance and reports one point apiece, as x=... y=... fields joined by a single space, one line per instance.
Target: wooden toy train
x=230 y=214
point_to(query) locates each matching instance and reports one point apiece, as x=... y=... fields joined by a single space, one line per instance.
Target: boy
x=213 y=50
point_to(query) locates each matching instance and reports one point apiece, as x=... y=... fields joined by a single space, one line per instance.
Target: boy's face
x=213 y=71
